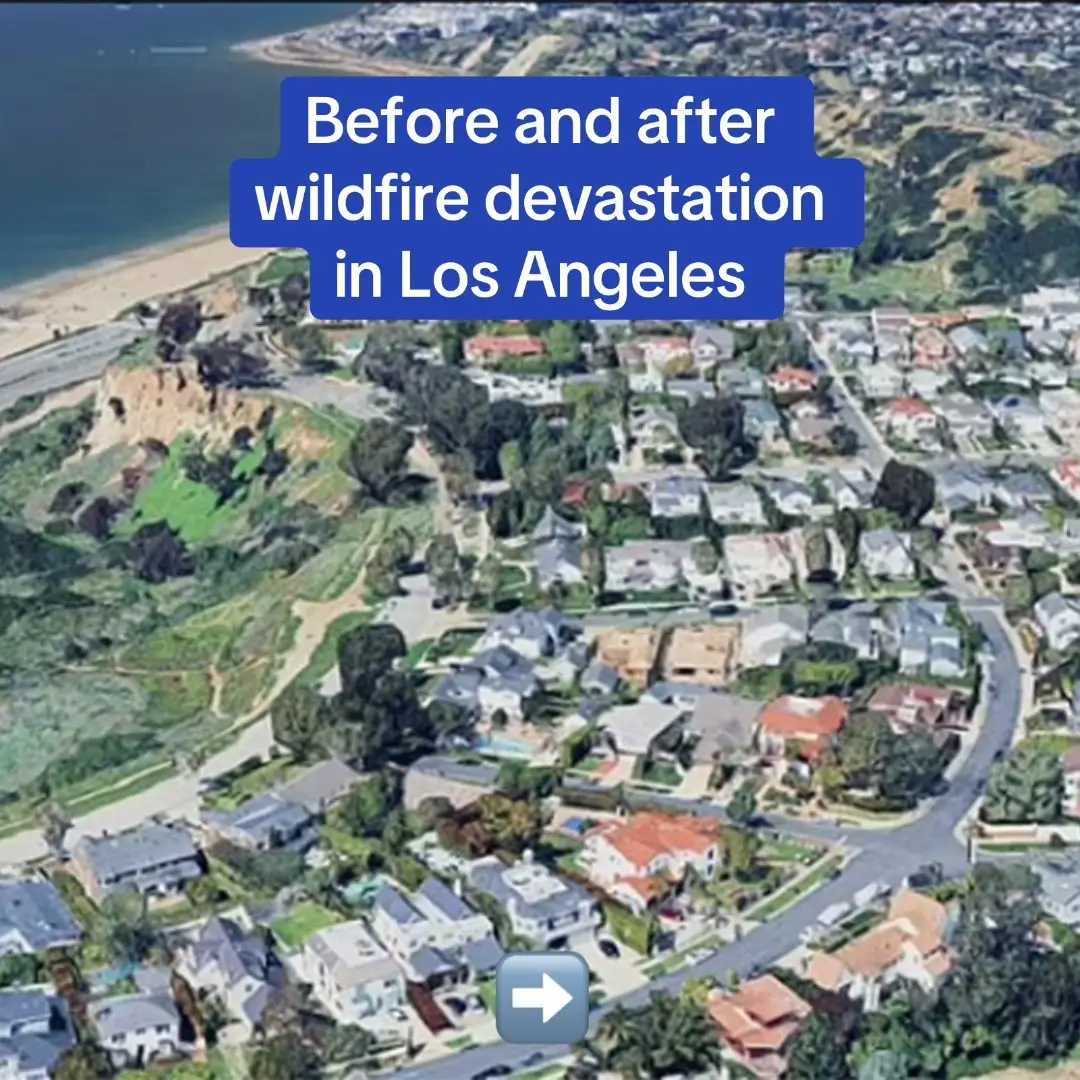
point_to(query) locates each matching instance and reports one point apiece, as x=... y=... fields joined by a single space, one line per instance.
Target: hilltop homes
x=34 y=917
x=911 y=944
x=638 y=859
x=156 y=860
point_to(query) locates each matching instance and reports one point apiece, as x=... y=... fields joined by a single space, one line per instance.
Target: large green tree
x=1028 y=787
x=377 y=458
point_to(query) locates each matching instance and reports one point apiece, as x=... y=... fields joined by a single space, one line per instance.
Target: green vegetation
x=783 y=900
x=302 y=922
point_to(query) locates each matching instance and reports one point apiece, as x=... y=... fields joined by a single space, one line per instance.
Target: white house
x=881 y=381
x=352 y=975
x=137 y=1028
x=757 y=563
x=645 y=566
x=886 y=555
x=1059 y=620
x=735 y=504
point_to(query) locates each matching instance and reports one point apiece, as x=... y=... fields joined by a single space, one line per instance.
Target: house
x=927 y=383
x=599 y=679
x=549 y=910
x=507 y=681
x=758 y=1023
x=761 y=420
x=791 y=497
x=645 y=566
x=704 y=655
x=1023 y=490
x=854 y=627
x=1059 y=893
x=885 y=555
x=881 y=381
x=493 y=349
x=963 y=487
x=791 y=382
x=758 y=563
x=1020 y=416
x=632 y=653
x=964 y=417
x=848 y=489
x=654 y=428
x=530 y=634
x=910 y=944
x=156 y=860
x=767 y=632
x=137 y=1029
x=910 y=706
x=666 y=354
x=676 y=496
x=321 y=786
x=803 y=723
x=35 y=1030
x=1066 y=474
x=33 y=918
x=967 y=339
x=351 y=975
x=262 y=823
x=1061 y=408
x=632 y=730
x=722 y=726
x=459 y=782
x=690 y=390
x=637 y=859
x=434 y=934
x=908 y=418
x=711 y=346
x=1058 y=617
x=1070 y=769
x=553 y=526
x=735 y=504
x=558 y=561
x=234 y=965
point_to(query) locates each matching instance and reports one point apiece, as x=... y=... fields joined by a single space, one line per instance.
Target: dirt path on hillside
x=62 y=399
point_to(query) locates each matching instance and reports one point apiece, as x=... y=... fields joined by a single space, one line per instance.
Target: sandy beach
x=97 y=292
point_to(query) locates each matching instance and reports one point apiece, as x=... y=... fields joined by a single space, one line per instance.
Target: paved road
x=75 y=359
x=890 y=857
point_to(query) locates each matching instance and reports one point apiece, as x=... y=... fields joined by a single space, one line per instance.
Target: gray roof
x=599 y=678
x=396 y=907
x=136 y=851
x=33 y=1053
x=552 y=525
x=36 y=912
x=261 y=818
x=428 y=962
x=237 y=953
x=553 y=556
x=322 y=784
x=458 y=688
x=126 y=1014
x=445 y=900
x=509 y=885
x=23 y=1007
x=482 y=956
x=723 y=723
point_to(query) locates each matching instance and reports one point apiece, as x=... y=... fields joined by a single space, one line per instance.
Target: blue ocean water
x=106 y=145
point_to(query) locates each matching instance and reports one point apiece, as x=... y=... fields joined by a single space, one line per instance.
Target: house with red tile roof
x=908 y=418
x=803 y=722
x=910 y=944
x=638 y=859
x=792 y=382
x=758 y=1023
x=491 y=348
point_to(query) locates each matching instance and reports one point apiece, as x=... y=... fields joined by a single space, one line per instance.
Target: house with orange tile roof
x=758 y=1023
x=911 y=944
x=802 y=722
x=638 y=859
x=909 y=418
x=492 y=348
x=792 y=382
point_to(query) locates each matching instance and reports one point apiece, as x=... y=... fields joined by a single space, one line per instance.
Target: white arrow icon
x=549 y=997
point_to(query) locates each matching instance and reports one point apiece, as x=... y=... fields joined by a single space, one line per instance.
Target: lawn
x=248 y=784
x=677 y=960
x=454 y=643
x=302 y=922
x=786 y=850
x=786 y=897
x=324 y=659
x=486 y=989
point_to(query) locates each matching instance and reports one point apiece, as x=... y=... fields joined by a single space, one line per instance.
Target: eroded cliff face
x=161 y=403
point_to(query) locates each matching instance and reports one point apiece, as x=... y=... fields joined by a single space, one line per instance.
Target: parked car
x=609 y=948
x=495 y=1070
x=533 y=1059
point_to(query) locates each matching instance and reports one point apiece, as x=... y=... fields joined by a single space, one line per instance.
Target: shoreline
x=96 y=292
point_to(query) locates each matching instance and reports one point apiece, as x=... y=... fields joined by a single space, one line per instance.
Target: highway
x=890 y=856
x=72 y=360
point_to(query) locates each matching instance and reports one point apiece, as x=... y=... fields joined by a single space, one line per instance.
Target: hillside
x=168 y=553
x=956 y=212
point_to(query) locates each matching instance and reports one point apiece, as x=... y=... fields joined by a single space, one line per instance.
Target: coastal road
x=890 y=857
x=63 y=363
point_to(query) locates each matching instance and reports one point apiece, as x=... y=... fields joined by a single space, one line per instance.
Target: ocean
x=107 y=146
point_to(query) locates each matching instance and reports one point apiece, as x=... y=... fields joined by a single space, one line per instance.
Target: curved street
x=890 y=856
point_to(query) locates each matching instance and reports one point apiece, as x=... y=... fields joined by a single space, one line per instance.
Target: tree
x=377 y=458
x=365 y=654
x=284 y=1058
x=1028 y=787
x=55 y=825
x=512 y=825
x=443 y=564
x=511 y=460
x=487 y=581
x=740 y=852
x=905 y=490
x=743 y=805
x=706 y=560
x=365 y=810
x=386 y=726
x=125 y=930
x=299 y=720
x=85 y=1060
x=594 y=566
x=818 y=1051
x=158 y=554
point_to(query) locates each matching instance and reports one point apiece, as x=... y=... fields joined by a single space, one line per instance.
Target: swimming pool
x=502 y=746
